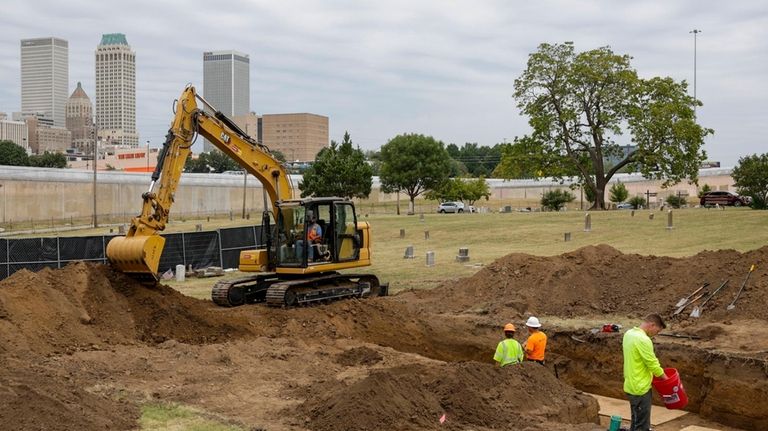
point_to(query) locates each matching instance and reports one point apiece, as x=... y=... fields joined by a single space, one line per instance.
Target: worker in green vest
x=509 y=350
x=640 y=365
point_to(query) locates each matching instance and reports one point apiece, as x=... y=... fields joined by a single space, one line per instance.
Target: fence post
x=221 y=254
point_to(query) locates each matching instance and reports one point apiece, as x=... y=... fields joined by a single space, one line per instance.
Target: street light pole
x=95 y=161
x=245 y=189
x=695 y=33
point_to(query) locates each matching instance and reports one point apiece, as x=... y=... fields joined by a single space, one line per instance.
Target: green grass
x=490 y=236
x=174 y=417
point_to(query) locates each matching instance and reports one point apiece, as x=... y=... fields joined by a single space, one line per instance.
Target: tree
x=555 y=199
x=214 y=161
x=413 y=163
x=704 y=190
x=475 y=160
x=676 y=201
x=12 y=154
x=578 y=104
x=48 y=160
x=619 y=192
x=460 y=189
x=339 y=170
x=751 y=179
x=527 y=157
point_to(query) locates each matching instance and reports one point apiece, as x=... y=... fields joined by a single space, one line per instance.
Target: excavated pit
x=83 y=340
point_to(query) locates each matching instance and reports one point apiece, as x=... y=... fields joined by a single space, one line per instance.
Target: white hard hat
x=533 y=322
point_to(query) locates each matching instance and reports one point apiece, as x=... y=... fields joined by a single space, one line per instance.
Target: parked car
x=624 y=206
x=451 y=207
x=723 y=198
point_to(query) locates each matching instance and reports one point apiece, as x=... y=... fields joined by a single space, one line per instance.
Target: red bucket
x=671 y=389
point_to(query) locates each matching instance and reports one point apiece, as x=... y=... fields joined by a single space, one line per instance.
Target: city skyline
x=442 y=70
x=226 y=83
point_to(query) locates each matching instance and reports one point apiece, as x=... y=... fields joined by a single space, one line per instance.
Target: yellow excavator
x=308 y=241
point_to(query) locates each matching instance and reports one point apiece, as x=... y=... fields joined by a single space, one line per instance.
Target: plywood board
x=618 y=407
x=698 y=428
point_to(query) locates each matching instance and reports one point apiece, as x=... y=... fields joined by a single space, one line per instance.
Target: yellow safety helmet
x=509 y=327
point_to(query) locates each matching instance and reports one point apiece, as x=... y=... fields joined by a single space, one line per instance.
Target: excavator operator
x=313 y=239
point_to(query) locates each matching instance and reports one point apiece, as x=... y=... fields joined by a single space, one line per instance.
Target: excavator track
x=328 y=287
x=231 y=293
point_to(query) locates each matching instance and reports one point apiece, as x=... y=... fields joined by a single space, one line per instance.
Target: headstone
x=669 y=220
x=567 y=236
x=402 y=233
x=426 y=234
x=508 y=209
x=180 y=272
x=408 y=252
x=463 y=255
x=588 y=222
x=633 y=213
x=121 y=229
x=650 y=216
x=198 y=227
x=421 y=217
x=430 y=258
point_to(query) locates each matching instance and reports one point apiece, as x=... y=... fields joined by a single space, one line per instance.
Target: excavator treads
x=330 y=287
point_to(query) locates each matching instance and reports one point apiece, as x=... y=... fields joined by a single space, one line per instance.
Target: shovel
x=683 y=301
x=699 y=308
x=682 y=307
x=732 y=305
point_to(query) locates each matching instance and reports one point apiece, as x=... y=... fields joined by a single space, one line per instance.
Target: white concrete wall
x=44 y=194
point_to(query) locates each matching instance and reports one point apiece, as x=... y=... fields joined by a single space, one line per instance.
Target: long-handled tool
x=682 y=301
x=683 y=307
x=697 y=310
x=732 y=305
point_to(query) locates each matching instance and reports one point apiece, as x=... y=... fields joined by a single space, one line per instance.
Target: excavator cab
x=317 y=234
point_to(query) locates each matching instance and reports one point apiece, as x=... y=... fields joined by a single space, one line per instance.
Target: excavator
x=307 y=241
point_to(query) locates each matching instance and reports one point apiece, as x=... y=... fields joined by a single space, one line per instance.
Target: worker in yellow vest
x=508 y=350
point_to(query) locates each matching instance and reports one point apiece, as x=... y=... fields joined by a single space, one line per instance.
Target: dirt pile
x=601 y=279
x=359 y=356
x=85 y=306
x=33 y=397
x=469 y=394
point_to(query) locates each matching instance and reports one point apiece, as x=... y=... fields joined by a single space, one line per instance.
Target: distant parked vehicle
x=624 y=206
x=723 y=198
x=450 y=207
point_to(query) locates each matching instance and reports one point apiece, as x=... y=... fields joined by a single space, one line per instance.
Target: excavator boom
x=138 y=252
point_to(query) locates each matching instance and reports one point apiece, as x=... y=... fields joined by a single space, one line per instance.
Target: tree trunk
x=600 y=184
x=411 y=206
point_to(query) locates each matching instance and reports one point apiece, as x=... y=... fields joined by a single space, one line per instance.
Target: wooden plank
x=617 y=407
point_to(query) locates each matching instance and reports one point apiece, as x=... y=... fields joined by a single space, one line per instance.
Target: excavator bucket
x=137 y=256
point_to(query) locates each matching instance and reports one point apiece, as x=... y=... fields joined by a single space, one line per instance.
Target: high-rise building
x=116 y=91
x=226 y=83
x=45 y=77
x=298 y=136
x=80 y=120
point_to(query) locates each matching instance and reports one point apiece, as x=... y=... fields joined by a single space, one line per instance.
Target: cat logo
x=224 y=137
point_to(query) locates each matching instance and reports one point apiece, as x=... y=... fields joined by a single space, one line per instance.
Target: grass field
x=490 y=236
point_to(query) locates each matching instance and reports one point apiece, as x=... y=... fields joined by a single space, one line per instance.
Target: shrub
x=619 y=192
x=637 y=202
x=704 y=189
x=676 y=201
x=555 y=199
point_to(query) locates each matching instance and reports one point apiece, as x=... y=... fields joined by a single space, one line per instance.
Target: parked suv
x=723 y=198
x=451 y=207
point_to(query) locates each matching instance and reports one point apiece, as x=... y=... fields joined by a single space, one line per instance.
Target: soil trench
x=83 y=340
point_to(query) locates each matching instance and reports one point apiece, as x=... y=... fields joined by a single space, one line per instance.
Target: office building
x=45 y=77
x=43 y=135
x=298 y=136
x=226 y=83
x=14 y=131
x=116 y=91
x=80 y=120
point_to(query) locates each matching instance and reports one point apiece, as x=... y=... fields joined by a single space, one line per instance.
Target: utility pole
x=695 y=33
x=95 y=161
x=245 y=190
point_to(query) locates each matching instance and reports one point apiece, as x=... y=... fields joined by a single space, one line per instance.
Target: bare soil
x=82 y=347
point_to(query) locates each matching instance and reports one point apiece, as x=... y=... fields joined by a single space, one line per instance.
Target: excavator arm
x=138 y=252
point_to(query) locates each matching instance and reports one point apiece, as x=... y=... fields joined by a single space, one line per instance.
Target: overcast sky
x=439 y=67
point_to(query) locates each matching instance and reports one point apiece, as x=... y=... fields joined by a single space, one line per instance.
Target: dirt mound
x=359 y=356
x=35 y=398
x=83 y=306
x=601 y=279
x=469 y=394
